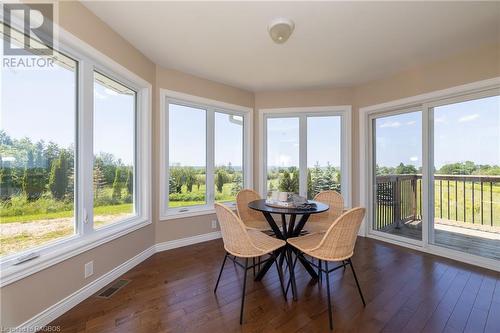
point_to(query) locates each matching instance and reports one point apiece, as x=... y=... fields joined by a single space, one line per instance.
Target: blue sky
x=468 y=131
x=40 y=104
x=323 y=141
x=187 y=136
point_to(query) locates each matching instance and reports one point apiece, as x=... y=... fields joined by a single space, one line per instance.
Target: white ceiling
x=334 y=43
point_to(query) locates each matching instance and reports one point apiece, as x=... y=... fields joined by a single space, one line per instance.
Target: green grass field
x=225 y=196
x=100 y=210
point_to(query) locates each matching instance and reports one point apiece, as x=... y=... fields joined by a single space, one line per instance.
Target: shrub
x=190 y=196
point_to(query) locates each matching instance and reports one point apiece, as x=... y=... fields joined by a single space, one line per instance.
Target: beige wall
x=27 y=297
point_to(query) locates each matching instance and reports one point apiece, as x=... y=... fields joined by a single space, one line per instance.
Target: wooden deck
x=449 y=234
x=405 y=291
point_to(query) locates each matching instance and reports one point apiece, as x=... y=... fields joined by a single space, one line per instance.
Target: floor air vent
x=113 y=288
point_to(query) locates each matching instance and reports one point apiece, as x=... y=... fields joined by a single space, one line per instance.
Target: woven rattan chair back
x=243 y=198
x=332 y=199
x=338 y=242
x=234 y=234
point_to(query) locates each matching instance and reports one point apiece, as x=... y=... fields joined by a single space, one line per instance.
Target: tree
x=177 y=176
x=117 y=185
x=403 y=169
x=237 y=184
x=99 y=181
x=58 y=180
x=130 y=182
x=465 y=168
x=190 y=178
x=6 y=179
x=33 y=182
x=222 y=178
x=172 y=185
x=285 y=182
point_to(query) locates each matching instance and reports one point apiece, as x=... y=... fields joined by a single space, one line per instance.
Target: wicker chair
x=322 y=221
x=337 y=244
x=245 y=243
x=251 y=218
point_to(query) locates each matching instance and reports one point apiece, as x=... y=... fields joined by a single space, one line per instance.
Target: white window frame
x=86 y=237
x=342 y=111
x=210 y=106
x=425 y=103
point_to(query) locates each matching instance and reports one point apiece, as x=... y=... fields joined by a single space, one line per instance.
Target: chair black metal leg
x=356 y=279
x=280 y=275
x=292 y=274
x=244 y=290
x=220 y=273
x=345 y=264
x=290 y=280
x=328 y=295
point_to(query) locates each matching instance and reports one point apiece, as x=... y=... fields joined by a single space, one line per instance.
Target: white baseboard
x=64 y=305
x=187 y=241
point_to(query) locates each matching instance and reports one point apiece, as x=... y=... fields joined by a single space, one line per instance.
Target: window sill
x=67 y=249
x=195 y=211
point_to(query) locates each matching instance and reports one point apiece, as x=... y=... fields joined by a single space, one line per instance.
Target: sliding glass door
x=466 y=177
x=435 y=174
x=397 y=174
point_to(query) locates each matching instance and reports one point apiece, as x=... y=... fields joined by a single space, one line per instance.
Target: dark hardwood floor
x=405 y=291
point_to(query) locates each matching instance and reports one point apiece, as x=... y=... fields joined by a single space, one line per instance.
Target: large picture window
x=306 y=150
x=206 y=154
x=38 y=154
x=74 y=156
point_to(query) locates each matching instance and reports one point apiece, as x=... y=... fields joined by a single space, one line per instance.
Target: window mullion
x=85 y=149
x=210 y=156
x=303 y=155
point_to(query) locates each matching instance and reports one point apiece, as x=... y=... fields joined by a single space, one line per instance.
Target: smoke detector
x=280 y=30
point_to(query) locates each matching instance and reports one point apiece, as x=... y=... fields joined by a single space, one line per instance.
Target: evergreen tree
x=130 y=181
x=285 y=182
x=33 y=181
x=58 y=180
x=221 y=179
x=6 y=181
x=117 y=185
x=99 y=181
x=172 y=185
x=237 y=184
x=190 y=178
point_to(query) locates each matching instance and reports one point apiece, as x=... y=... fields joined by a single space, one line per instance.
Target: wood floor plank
x=405 y=291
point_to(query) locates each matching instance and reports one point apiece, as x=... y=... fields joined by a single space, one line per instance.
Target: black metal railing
x=467 y=199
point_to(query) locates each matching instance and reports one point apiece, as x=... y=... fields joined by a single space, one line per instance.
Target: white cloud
x=439 y=119
x=414 y=158
x=413 y=122
x=391 y=124
x=470 y=117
